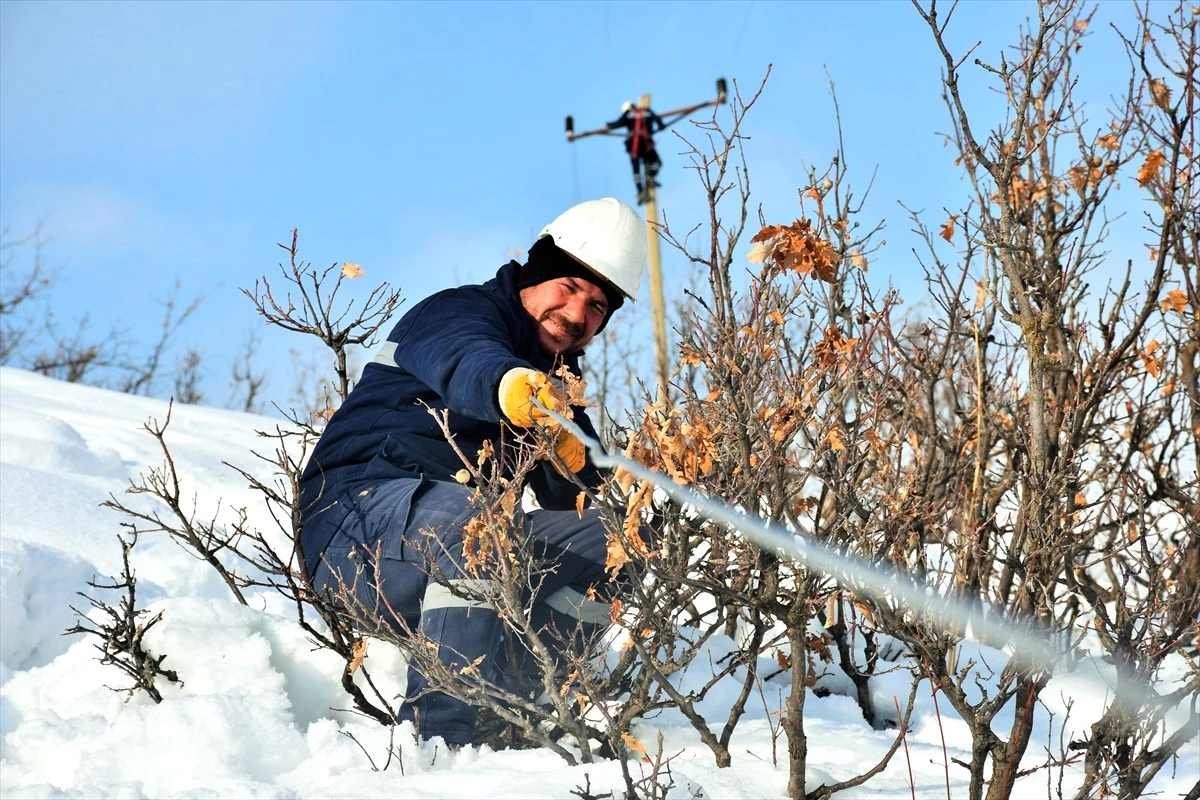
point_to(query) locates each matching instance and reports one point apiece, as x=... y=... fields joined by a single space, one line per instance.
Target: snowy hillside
x=257 y=713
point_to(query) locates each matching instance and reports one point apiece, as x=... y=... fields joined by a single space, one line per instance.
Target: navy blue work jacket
x=448 y=352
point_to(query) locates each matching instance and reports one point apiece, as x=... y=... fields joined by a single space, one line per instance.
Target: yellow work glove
x=570 y=450
x=520 y=387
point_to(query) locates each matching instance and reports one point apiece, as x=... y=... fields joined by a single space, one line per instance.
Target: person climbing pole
x=641 y=124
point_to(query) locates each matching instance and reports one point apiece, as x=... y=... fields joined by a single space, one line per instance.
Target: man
x=380 y=481
x=642 y=124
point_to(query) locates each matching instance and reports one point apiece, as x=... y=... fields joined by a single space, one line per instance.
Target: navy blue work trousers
x=398 y=548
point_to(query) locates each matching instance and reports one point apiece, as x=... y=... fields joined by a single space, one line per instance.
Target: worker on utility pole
x=642 y=124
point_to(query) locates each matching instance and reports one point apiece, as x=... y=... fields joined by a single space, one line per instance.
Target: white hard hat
x=608 y=237
x=626 y=106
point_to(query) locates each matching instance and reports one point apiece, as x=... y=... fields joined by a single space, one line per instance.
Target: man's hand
x=570 y=450
x=520 y=387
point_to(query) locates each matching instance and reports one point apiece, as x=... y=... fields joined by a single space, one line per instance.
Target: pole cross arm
x=680 y=113
x=669 y=118
x=572 y=135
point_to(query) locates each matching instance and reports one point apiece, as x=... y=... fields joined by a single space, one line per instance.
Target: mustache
x=575 y=329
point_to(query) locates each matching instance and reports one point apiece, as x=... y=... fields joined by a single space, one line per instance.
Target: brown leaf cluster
x=836 y=438
x=1081 y=177
x=794 y=411
x=485 y=537
x=629 y=538
x=1175 y=301
x=819 y=643
x=474 y=546
x=783 y=421
x=796 y=247
x=685 y=450
x=1022 y=193
x=1152 y=362
x=1150 y=168
x=833 y=348
x=574 y=387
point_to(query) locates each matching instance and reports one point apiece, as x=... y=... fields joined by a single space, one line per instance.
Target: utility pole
x=657 y=301
x=649 y=198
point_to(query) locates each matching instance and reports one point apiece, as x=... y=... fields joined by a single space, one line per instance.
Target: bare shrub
x=20 y=289
x=123 y=629
x=243 y=556
x=314 y=310
x=33 y=337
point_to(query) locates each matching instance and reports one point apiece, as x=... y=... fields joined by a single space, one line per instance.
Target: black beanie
x=547 y=262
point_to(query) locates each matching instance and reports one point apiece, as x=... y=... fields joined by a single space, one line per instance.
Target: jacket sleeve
x=620 y=122
x=459 y=347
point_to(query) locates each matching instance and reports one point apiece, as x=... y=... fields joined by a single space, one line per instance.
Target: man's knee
x=373 y=588
x=579 y=606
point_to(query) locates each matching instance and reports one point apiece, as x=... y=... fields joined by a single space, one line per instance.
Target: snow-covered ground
x=260 y=713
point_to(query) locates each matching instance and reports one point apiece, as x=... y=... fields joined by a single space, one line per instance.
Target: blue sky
x=158 y=142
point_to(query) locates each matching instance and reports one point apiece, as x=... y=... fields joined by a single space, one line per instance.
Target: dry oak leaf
x=632 y=743
x=574 y=386
x=1161 y=94
x=836 y=438
x=947 y=231
x=758 y=253
x=508 y=504
x=1150 y=167
x=473 y=666
x=819 y=644
x=359 y=652
x=1153 y=364
x=689 y=357
x=617 y=557
x=1080 y=177
x=351 y=270
x=1176 y=301
x=486 y=452
x=1109 y=141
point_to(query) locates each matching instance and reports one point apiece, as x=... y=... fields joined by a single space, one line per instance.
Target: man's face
x=568 y=312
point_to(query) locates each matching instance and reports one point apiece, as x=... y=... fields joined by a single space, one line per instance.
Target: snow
x=259 y=712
